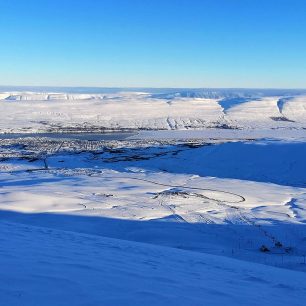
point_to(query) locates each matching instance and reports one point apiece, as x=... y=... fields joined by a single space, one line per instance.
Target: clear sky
x=153 y=43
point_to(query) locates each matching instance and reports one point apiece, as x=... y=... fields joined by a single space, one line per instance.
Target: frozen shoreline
x=225 y=134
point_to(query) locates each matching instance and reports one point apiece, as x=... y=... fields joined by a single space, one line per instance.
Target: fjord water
x=71 y=136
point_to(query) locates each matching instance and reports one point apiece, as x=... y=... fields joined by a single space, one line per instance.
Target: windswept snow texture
x=198 y=198
x=43 y=266
x=150 y=110
x=73 y=215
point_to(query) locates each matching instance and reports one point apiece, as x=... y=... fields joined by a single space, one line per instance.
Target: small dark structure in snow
x=264 y=249
x=278 y=244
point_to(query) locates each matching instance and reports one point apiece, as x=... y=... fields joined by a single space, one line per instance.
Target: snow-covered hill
x=205 y=204
x=41 y=266
x=32 y=111
x=226 y=199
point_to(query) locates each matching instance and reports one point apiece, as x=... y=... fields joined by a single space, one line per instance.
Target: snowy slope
x=32 y=111
x=160 y=195
x=205 y=204
x=257 y=112
x=295 y=108
x=42 y=266
x=280 y=162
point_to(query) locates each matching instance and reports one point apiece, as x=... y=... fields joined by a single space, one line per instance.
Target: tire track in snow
x=242 y=198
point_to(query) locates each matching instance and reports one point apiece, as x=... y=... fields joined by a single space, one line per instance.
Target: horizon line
x=147 y=87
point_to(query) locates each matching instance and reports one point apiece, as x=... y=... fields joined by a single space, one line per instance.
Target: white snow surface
x=41 y=266
x=32 y=111
x=175 y=214
x=79 y=231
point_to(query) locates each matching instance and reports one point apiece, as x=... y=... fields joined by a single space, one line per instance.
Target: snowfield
x=43 y=266
x=203 y=202
x=30 y=111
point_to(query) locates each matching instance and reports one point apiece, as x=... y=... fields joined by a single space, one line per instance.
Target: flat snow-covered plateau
x=153 y=197
x=141 y=110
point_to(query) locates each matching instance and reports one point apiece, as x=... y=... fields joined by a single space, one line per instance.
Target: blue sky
x=142 y=43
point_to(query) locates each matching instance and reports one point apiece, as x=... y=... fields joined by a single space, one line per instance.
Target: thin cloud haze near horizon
x=154 y=44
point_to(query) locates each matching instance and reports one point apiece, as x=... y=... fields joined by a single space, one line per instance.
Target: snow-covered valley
x=204 y=202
